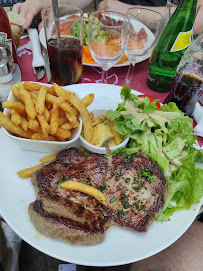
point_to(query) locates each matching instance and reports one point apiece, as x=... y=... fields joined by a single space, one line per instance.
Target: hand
x=114 y=5
x=29 y=9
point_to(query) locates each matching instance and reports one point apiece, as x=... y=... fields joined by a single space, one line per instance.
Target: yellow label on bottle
x=182 y=41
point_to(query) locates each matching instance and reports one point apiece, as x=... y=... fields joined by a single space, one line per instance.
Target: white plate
x=126 y=63
x=120 y=246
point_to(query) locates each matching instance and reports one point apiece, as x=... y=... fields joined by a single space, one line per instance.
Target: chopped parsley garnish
x=112 y=200
x=69 y=196
x=87 y=153
x=127 y=180
x=87 y=182
x=117 y=175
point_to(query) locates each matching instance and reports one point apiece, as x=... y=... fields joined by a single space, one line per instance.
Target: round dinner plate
x=125 y=63
x=120 y=246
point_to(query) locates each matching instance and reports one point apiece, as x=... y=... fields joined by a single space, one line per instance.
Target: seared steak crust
x=135 y=188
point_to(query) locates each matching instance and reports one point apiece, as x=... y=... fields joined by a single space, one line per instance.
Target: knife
x=47 y=67
x=38 y=63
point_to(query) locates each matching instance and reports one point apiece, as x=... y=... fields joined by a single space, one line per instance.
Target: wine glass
x=146 y=26
x=108 y=34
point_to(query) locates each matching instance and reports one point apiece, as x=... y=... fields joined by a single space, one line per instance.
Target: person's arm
x=121 y=7
x=30 y=8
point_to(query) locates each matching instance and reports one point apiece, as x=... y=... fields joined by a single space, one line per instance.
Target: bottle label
x=4 y=39
x=182 y=41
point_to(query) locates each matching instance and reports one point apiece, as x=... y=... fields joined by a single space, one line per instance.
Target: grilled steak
x=135 y=188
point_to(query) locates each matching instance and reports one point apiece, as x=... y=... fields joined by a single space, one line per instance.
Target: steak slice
x=135 y=188
x=136 y=191
x=56 y=210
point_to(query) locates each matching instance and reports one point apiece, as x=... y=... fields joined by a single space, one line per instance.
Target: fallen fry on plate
x=49 y=158
x=10 y=126
x=87 y=189
x=26 y=173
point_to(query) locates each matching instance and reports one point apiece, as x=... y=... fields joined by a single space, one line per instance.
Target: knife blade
x=47 y=67
x=38 y=63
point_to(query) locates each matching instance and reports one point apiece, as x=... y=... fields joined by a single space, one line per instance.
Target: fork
x=108 y=151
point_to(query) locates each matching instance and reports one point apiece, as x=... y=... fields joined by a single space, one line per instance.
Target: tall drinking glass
x=108 y=34
x=146 y=26
x=65 y=55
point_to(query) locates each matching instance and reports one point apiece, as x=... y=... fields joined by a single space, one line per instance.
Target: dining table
x=92 y=74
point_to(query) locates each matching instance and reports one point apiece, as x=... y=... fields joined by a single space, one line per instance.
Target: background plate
x=120 y=246
x=126 y=63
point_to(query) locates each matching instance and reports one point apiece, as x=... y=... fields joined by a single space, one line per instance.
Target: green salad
x=97 y=34
x=166 y=137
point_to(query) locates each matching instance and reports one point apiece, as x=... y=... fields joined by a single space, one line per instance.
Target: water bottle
x=171 y=46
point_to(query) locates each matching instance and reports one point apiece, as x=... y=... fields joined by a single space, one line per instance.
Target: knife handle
x=36 y=50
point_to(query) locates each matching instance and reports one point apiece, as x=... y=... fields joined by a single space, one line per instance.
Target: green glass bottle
x=176 y=37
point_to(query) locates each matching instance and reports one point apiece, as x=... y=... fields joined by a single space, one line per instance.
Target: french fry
x=33 y=124
x=41 y=136
x=63 y=120
x=62 y=133
x=15 y=91
x=66 y=126
x=46 y=114
x=29 y=105
x=36 y=87
x=72 y=119
x=117 y=137
x=17 y=130
x=44 y=125
x=19 y=107
x=78 y=104
x=91 y=115
x=19 y=85
x=98 y=120
x=15 y=117
x=49 y=158
x=54 y=120
x=85 y=188
x=33 y=95
x=41 y=100
x=24 y=124
x=88 y=99
x=94 y=140
x=26 y=173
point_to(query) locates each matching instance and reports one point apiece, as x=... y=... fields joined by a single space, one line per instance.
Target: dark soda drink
x=185 y=92
x=66 y=61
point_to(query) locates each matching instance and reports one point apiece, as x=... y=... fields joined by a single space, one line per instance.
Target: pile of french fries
x=46 y=113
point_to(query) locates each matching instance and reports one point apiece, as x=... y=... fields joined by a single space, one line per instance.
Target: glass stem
x=130 y=72
x=104 y=76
